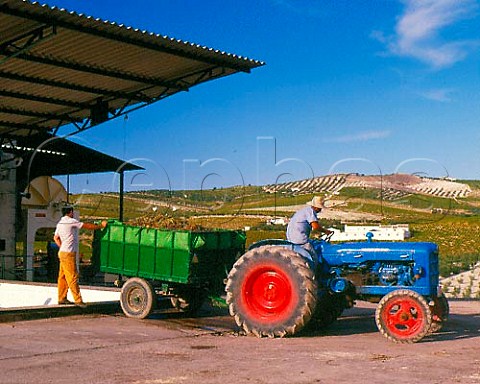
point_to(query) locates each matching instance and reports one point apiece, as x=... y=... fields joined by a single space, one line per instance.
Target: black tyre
x=440 y=312
x=138 y=298
x=189 y=299
x=403 y=316
x=271 y=291
x=328 y=309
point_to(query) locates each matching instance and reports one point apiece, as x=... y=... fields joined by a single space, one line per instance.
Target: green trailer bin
x=187 y=266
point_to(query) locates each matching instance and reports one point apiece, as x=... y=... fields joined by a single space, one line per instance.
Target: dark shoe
x=64 y=302
x=81 y=304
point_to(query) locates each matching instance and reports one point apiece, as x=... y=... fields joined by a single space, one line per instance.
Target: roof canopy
x=59 y=68
x=50 y=155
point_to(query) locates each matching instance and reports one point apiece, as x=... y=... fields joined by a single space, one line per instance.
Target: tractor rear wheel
x=440 y=311
x=137 y=298
x=403 y=316
x=271 y=291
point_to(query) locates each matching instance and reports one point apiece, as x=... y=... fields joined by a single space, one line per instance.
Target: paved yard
x=210 y=349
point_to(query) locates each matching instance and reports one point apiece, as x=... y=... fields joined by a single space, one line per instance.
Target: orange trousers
x=68 y=277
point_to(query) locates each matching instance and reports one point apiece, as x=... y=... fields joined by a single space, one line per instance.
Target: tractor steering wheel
x=326 y=237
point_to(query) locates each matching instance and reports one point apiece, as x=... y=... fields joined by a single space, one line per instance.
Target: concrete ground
x=167 y=348
x=14 y=294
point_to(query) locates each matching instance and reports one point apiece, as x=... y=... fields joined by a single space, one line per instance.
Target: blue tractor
x=278 y=288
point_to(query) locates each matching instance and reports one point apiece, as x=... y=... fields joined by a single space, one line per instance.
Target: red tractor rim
x=268 y=294
x=404 y=317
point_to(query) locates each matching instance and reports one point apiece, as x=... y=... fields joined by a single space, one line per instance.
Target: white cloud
x=361 y=136
x=417 y=32
x=441 y=95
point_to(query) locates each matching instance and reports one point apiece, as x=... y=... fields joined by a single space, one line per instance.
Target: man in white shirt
x=66 y=237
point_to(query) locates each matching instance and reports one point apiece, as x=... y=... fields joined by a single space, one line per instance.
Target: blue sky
x=348 y=86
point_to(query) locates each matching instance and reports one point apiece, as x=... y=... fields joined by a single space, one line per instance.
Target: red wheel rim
x=404 y=317
x=268 y=294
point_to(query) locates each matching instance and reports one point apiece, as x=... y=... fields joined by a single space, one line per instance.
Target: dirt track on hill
x=210 y=349
x=328 y=214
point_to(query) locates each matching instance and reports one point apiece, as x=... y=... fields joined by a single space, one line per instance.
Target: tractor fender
x=297 y=248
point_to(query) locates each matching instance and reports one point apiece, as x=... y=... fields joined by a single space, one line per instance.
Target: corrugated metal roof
x=59 y=67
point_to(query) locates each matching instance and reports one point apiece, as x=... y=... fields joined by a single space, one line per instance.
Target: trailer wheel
x=403 y=316
x=271 y=291
x=189 y=300
x=137 y=298
x=440 y=311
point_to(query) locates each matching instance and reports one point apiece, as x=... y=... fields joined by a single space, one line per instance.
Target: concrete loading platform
x=25 y=300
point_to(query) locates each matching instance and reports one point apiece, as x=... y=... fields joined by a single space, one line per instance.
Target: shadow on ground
x=353 y=321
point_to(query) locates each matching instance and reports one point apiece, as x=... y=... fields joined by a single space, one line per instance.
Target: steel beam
x=137 y=95
x=26 y=41
x=43 y=99
x=97 y=71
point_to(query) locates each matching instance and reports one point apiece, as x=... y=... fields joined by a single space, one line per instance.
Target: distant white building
x=398 y=232
x=278 y=221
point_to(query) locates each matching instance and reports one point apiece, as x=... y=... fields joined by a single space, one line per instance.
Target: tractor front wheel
x=137 y=298
x=271 y=291
x=403 y=316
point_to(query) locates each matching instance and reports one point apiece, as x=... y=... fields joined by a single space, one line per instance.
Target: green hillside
x=454 y=224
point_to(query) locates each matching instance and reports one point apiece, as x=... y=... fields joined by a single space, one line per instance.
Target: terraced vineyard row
x=392 y=186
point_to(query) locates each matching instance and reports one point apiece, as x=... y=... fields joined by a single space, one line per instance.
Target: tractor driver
x=303 y=222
